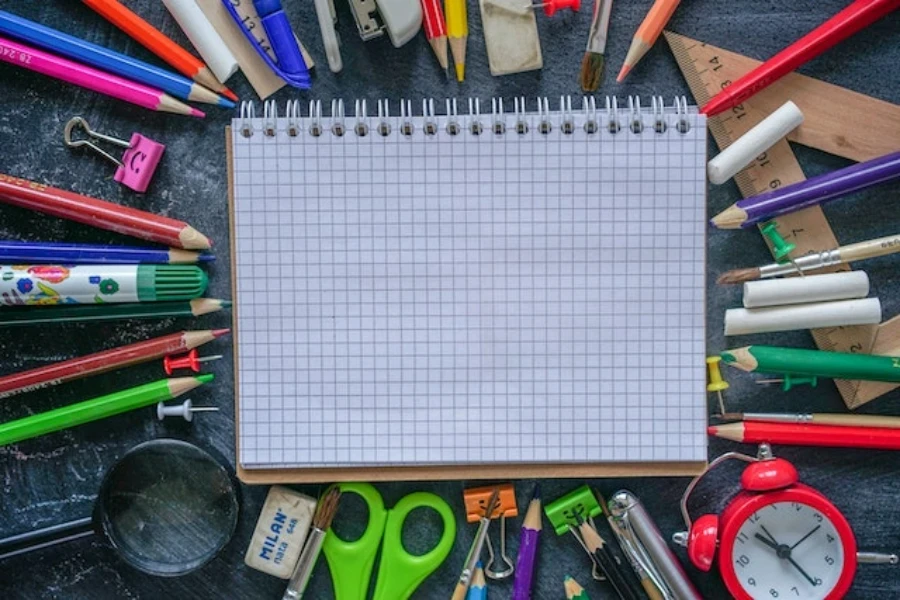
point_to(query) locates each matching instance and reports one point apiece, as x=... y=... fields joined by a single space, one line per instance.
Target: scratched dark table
x=55 y=478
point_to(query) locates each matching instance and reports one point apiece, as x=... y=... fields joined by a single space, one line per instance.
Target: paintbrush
x=869 y=249
x=591 y=74
x=325 y=511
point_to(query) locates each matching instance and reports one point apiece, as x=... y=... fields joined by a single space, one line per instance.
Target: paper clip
x=138 y=164
x=475 y=500
x=568 y=512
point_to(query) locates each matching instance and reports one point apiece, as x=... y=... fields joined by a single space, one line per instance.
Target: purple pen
x=528 y=547
x=817 y=190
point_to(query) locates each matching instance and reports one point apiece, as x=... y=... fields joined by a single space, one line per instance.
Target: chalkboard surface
x=55 y=478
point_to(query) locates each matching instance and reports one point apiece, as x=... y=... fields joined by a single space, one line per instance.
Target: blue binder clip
x=289 y=63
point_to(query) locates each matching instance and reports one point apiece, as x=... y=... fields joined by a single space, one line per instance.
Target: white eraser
x=743 y=321
x=802 y=290
x=204 y=37
x=280 y=532
x=753 y=143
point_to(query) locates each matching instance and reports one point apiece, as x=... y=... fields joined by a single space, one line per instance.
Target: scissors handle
x=351 y=563
x=400 y=572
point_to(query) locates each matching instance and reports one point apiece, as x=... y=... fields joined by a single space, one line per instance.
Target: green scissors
x=400 y=572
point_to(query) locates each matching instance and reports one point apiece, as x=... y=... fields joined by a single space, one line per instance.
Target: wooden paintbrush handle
x=459 y=593
x=872 y=248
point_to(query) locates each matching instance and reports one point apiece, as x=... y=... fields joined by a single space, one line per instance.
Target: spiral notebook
x=497 y=293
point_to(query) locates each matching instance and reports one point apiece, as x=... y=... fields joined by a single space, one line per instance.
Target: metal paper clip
x=138 y=164
x=568 y=512
x=476 y=500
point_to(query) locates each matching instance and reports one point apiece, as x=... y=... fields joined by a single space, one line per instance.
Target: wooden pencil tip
x=229 y=94
x=220 y=332
x=732 y=217
x=623 y=73
x=198 y=113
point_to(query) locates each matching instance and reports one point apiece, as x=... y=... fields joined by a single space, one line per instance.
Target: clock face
x=788 y=550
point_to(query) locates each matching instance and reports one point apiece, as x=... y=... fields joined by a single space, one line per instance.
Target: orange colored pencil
x=156 y=42
x=646 y=35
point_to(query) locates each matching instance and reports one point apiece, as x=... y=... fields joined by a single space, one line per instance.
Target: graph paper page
x=441 y=299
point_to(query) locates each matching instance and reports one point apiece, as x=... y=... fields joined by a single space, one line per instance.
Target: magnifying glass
x=167 y=508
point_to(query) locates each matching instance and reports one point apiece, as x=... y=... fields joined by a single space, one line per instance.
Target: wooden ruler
x=836 y=120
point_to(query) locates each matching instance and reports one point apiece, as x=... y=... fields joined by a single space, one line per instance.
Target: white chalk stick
x=803 y=290
x=280 y=532
x=763 y=136
x=204 y=37
x=741 y=321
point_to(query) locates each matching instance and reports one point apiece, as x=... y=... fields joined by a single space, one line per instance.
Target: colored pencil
x=605 y=560
x=816 y=190
x=105 y=361
x=574 y=591
x=798 y=361
x=889 y=244
x=647 y=33
x=478 y=587
x=435 y=30
x=836 y=419
x=98 y=408
x=857 y=16
x=99 y=213
x=156 y=42
x=107 y=60
x=93 y=254
x=77 y=313
x=90 y=78
x=529 y=539
x=48 y=285
x=457 y=33
x=836 y=436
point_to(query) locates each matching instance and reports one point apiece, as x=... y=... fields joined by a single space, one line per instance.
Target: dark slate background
x=54 y=478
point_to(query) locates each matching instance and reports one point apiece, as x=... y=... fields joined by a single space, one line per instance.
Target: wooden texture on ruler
x=418 y=473
x=837 y=121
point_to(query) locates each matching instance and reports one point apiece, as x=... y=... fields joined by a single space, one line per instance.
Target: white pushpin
x=184 y=410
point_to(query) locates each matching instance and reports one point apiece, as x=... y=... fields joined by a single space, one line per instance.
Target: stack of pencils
x=68 y=58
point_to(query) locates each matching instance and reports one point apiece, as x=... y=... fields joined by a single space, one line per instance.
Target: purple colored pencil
x=817 y=190
x=528 y=547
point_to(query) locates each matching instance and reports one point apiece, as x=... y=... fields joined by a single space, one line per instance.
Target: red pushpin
x=188 y=361
x=551 y=6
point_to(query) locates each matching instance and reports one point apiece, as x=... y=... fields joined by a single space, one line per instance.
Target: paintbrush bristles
x=738 y=276
x=591 y=74
x=326 y=509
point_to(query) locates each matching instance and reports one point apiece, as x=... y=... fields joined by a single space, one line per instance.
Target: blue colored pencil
x=52 y=253
x=107 y=60
x=478 y=587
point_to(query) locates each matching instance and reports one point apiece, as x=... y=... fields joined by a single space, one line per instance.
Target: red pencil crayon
x=436 y=29
x=860 y=14
x=102 y=362
x=99 y=213
x=789 y=434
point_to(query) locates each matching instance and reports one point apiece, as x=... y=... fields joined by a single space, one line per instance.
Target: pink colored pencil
x=92 y=79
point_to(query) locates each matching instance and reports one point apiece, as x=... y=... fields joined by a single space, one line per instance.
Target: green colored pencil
x=98 y=408
x=574 y=591
x=10 y=317
x=797 y=361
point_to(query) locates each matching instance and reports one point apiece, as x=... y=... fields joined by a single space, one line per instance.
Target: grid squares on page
x=470 y=299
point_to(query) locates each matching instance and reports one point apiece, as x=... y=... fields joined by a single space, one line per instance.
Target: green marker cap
x=170 y=282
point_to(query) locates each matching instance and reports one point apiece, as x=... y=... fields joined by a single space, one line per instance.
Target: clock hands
x=783 y=551
x=814 y=529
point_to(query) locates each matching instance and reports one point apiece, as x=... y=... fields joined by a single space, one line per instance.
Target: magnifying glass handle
x=46 y=537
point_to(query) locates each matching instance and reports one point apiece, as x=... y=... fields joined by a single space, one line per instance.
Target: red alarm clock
x=777 y=538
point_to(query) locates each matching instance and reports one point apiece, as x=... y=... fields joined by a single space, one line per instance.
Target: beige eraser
x=280 y=532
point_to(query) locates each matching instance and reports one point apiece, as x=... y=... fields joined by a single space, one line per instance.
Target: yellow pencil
x=457 y=33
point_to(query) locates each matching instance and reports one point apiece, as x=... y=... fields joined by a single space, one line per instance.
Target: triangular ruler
x=836 y=120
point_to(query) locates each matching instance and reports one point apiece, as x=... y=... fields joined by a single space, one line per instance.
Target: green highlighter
x=399 y=572
x=814 y=363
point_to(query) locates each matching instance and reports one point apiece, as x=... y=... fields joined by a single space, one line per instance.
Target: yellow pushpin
x=716 y=383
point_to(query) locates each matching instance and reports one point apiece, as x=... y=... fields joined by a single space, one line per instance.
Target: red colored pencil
x=436 y=29
x=99 y=213
x=101 y=362
x=789 y=434
x=158 y=43
x=855 y=17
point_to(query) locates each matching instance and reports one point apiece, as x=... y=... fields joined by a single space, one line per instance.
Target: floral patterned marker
x=40 y=285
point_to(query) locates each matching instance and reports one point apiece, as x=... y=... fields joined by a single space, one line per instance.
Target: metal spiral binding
x=612 y=119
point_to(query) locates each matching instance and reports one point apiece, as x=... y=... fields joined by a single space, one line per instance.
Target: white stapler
x=400 y=18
